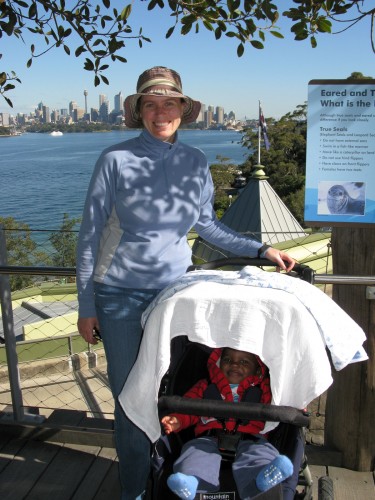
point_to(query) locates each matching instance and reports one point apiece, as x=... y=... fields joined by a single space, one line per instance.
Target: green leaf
x=125 y=13
x=169 y=32
x=313 y=42
x=8 y=28
x=32 y=11
x=120 y=58
x=79 y=51
x=207 y=25
x=186 y=29
x=256 y=44
x=29 y=63
x=89 y=65
x=240 y=50
x=277 y=34
x=218 y=33
x=8 y=101
x=324 y=26
x=96 y=81
x=104 y=80
x=299 y=28
x=67 y=49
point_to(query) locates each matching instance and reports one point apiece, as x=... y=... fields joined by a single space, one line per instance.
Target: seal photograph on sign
x=341 y=198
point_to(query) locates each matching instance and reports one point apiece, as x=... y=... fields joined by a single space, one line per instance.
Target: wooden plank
x=57 y=433
x=63 y=476
x=66 y=417
x=29 y=463
x=350 y=485
x=110 y=487
x=97 y=423
x=9 y=449
x=96 y=475
x=4 y=440
x=322 y=455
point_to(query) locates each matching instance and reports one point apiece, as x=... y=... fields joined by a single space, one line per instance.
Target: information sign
x=340 y=157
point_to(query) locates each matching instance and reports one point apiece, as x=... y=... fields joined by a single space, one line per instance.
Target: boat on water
x=56 y=133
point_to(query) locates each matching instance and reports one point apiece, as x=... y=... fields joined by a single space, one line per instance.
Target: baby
x=234 y=376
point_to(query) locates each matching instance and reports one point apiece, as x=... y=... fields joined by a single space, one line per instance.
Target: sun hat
x=159 y=81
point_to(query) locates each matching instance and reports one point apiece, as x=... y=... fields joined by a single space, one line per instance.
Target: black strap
x=252 y=395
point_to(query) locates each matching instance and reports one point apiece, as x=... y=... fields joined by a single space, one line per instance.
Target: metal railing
x=46 y=364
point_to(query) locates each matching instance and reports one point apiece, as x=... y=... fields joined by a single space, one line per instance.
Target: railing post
x=10 y=339
x=9 y=334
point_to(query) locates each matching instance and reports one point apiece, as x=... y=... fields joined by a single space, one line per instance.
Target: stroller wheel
x=325 y=488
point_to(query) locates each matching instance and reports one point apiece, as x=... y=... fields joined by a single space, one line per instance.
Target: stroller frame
x=288 y=437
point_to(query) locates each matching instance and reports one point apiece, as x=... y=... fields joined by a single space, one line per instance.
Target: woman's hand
x=170 y=424
x=280 y=258
x=87 y=327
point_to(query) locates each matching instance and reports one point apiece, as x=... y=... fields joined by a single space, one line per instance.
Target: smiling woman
x=144 y=196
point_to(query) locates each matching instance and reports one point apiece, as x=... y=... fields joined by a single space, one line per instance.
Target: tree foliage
x=21 y=250
x=97 y=31
x=64 y=242
x=285 y=161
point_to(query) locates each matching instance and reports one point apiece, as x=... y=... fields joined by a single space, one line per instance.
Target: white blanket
x=270 y=322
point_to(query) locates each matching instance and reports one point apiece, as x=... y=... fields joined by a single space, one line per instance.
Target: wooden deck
x=64 y=462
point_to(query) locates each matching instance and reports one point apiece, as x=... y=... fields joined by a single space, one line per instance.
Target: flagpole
x=259 y=133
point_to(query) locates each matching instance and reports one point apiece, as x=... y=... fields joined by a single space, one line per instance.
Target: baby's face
x=237 y=365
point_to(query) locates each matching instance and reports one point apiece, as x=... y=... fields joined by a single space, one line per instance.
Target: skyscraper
x=102 y=99
x=119 y=102
x=72 y=106
x=104 y=111
x=46 y=115
x=219 y=115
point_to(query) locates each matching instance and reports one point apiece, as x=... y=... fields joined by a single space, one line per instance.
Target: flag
x=263 y=128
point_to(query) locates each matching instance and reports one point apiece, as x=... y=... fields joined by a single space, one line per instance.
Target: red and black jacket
x=217 y=377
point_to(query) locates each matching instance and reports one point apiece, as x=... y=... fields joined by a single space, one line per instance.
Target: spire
x=258 y=212
x=257 y=172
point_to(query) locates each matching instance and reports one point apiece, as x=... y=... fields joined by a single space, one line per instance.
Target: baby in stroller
x=234 y=376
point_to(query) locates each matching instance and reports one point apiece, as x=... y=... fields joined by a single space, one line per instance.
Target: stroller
x=188 y=365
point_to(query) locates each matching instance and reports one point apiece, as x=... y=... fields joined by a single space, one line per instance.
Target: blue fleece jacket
x=143 y=198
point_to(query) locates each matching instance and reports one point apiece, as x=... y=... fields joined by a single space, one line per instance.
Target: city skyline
x=209 y=115
x=103 y=99
x=211 y=72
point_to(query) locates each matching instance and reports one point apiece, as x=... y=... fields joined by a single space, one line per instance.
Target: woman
x=144 y=196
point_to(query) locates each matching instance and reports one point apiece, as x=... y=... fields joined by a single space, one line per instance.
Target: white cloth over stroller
x=287 y=322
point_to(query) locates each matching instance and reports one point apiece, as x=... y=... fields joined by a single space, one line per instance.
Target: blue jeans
x=119 y=312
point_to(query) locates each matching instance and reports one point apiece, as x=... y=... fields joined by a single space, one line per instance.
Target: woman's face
x=161 y=116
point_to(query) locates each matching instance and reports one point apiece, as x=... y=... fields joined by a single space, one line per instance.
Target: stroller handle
x=303 y=271
x=224 y=409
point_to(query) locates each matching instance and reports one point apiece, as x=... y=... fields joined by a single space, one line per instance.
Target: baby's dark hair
x=223 y=352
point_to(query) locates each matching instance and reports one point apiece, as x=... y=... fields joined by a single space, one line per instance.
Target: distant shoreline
x=89 y=130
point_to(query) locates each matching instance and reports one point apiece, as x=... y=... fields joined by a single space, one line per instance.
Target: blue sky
x=211 y=72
